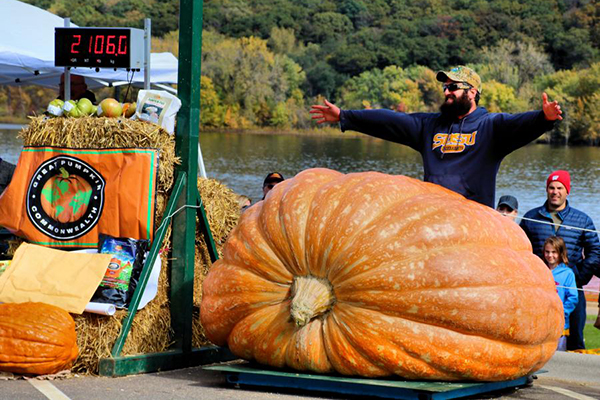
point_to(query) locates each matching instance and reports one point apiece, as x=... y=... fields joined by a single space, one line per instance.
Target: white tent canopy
x=27 y=53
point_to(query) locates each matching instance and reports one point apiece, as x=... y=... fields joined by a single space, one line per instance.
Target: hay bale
x=151 y=328
x=105 y=133
x=96 y=334
x=223 y=212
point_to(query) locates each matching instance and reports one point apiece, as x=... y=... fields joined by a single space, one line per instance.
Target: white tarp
x=27 y=53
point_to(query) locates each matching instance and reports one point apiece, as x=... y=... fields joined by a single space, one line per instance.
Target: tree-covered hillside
x=265 y=61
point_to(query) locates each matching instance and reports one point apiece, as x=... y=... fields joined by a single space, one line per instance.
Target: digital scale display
x=99 y=47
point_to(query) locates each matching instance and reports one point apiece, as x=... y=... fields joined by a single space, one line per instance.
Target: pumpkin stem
x=64 y=172
x=311 y=297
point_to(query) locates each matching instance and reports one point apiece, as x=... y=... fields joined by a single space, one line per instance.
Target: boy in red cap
x=583 y=246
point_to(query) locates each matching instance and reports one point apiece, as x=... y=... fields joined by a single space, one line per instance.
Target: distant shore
x=325 y=131
x=328 y=131
x=11 y=127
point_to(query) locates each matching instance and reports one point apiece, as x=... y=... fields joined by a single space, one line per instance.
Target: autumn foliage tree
x=265 y=61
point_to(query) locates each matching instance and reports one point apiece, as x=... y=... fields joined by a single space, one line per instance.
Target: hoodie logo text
x=453 y=142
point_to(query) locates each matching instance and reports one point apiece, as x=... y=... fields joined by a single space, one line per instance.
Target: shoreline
x=325 y=132
x=314 y=132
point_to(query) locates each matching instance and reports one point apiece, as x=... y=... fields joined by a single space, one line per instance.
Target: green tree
x=514 y=63
x=282 y=41
x=388 y=88
x=578 y=92
x=211 y=111
x=246 y=73
x=498 y=97
x=281 y=116
x=329 y=25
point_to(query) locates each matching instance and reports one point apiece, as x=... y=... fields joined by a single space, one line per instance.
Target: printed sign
x=65 y=197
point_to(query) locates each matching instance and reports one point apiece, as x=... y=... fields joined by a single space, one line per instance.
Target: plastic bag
x=119 y=282
x=159 y=107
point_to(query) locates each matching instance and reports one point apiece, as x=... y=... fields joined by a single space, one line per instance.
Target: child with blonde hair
x=555 y=256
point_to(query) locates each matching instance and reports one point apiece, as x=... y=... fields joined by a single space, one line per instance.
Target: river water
x=242 y=160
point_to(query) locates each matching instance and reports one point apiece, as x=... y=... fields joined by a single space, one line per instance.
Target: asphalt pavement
x=565 y=376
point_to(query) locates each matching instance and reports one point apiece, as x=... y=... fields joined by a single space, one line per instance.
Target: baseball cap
x=562 y=177
x=461 y=74
x=508 y=201
x=273 y=177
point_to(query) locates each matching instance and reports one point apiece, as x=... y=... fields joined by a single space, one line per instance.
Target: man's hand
x=327 y=113
x=552 y=111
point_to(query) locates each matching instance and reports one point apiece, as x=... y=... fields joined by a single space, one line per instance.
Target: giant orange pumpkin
x=372 y=275
x=36 y=338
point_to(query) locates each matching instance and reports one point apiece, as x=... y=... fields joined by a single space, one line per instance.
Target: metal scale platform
x=258 y=375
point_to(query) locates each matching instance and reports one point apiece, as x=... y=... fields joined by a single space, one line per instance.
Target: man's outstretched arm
x=328 y=112
x=552 y=111
x=514 y=131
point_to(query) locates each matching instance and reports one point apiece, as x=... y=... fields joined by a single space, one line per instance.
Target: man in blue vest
x=557 y=218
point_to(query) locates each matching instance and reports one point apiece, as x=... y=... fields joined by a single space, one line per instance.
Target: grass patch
x=592 y=336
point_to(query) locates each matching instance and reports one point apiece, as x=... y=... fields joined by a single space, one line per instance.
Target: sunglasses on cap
x=452 y=87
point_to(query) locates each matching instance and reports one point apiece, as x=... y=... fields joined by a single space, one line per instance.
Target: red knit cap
x=562 y=177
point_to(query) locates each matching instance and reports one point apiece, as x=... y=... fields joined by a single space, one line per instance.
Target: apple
x=85 y=106
x=55 y=107
x=68 y=106
x=75 y=112
x=110 y=108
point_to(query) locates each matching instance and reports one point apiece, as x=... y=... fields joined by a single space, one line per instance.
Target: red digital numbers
x=78 y=38
x=122 y=45
x=110 y=46
x=101 y=44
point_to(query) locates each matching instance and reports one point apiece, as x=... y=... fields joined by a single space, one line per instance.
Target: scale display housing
x=99 y=47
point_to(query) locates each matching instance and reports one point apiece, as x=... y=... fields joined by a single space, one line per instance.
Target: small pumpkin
x=373 y=275
x=36 y=338
x=65 y=197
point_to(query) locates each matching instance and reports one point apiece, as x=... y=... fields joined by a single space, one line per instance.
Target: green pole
x=186 y=141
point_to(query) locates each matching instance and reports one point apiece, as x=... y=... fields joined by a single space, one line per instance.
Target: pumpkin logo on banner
x=65 y=197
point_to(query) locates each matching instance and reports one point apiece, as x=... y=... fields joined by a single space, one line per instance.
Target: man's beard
x=460 y=106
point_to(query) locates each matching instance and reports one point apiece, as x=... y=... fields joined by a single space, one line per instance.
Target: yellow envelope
x=61 y=278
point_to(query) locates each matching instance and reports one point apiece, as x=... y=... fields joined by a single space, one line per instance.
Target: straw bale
x=151 y=328
x=96 y=334
x=223 y=212
x=105 y=133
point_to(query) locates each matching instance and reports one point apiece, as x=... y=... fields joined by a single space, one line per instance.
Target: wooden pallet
x=258 y=375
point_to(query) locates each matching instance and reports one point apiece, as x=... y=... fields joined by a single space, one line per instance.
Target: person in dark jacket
x=7 y=170
x=463 y=145
x=557 y=218
x=270 y=181
x=79 y=89
x=508 y=206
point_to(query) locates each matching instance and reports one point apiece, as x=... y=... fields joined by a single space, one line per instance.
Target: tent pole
x=67 y=81
x=147 y=47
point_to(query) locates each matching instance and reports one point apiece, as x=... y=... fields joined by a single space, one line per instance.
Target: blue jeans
x=576 y=324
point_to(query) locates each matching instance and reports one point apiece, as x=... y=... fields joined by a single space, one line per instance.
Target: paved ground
x=565 y=376
x=568 y=376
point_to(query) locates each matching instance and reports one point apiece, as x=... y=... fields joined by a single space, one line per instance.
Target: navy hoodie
x=462 y=155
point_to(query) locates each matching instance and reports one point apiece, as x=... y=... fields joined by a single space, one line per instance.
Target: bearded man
x=463 y=145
